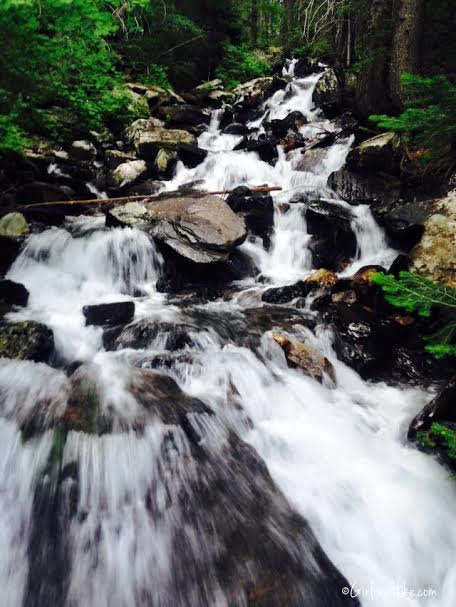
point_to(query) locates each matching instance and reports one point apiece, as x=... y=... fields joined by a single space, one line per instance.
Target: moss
x=424 y=439
x=26 y=341
x=446 y=437
x=83 y=412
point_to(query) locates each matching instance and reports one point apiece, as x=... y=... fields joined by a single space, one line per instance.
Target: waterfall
x=154 y=512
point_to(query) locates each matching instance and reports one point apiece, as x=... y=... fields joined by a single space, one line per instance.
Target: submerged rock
x=109 y=314
x=306 y=358
x=146 y=334
x=27 y=340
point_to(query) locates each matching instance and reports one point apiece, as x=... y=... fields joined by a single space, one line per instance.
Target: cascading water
x=148 y=513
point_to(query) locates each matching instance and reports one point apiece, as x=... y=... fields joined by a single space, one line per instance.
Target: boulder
x=435 y=255
x=109 y=314
x=282 y=295
x=191 y=155
x=378 y=154
x=183 y=115
x=13 y=293
x=441 y=409
x=279 y=128
x=130 y=214
x=235 y=128
x=82 y=150
x=26 y=341
x=41 y=191
x=150 y=142
x=157 y=96
x=254 y=92
x=132 y=133
x=322 y=279
x=263 y=146
x=13 y=225
x=116 y=157
x=378 y=191
x=165 y=162
x=9 y=250
x=405 y=223
x=306 y=358
x=305 y=66
x=328 y=93
x=257 y=210
x=144 y=334
x=128 y=172
x=203 y=230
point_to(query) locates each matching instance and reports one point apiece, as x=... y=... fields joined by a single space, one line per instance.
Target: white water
x=384 y=513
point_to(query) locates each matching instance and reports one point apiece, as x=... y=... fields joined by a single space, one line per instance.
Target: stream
x=130 y=518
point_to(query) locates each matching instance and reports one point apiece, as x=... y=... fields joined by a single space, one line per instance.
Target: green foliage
x=241 y=64
x=417 y=294
x=446 y=436
x=429 y=118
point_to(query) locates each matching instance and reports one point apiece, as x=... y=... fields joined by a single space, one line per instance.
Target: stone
x=377 y=154
x=13 y=225
x=27 y=340
x=257 y=210
x=442 y=408
x=280 y=128
x=41 y=191
x=435 y=255
x=143 y=334
x=13 y=293
x=254 y=92
x=235 y=128
x=132 y=133
x=328 y=93
x=378 y=191
x=128 y=173
x=306 y=358
x=111 y=314
x=305 y=66
x=282 y=295
x=183 y=115
x=203 y=230
x=150 y=142
x=165 y=162
x=9 y=250
x=322 y=279
x=116 y=157
x=130 y=214
x=82 y=150
x=191 y=155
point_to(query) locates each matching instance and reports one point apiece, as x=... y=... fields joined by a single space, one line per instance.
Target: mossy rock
x=13 y=225
x=26 y=341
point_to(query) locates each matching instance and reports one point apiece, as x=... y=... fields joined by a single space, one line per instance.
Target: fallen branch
x=136 y=198
x=327 y=139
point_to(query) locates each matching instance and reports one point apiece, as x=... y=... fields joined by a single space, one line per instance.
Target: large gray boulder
x=380 y=153
x=328 y=93
x=256 y=91
x=128 y=172
x=435 y=255
x=203 y=230
x=149 y=143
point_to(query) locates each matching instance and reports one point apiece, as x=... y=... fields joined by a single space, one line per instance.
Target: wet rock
x=26 y=341
x=361 y=188
x=128 y=172
x=400 y=264
x=13 y=293
x=405 y=223
x=9 y=250
x=280 y=128
x=82 y=150
x=264 y=147
x=148 y=187
x=183 y=115
x=322 y=279
x=109 y=314
x=256 y=91
x=310 y=161
x=116 y=157
x=40 y=191
x=328 y=93
x=203 y=230
x=165 y=163
x=306 y=358
x=281 y=295
x=191 y=155
x=13 y=225
x=236 y=128
x=146 y=334
x=306 y=66
x=257 y=210
x=150 y=142
x=378 y=154
x=130 y=214
x=435 y=255
x=441 y=409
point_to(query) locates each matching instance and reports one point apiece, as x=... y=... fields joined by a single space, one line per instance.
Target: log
x=324 y=140
x=124 y=199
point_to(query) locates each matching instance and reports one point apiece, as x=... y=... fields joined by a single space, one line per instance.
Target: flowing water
x=384 y=513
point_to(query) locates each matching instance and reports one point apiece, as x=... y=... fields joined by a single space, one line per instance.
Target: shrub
x=241 y=64
x=417 y=294
x=429 y=120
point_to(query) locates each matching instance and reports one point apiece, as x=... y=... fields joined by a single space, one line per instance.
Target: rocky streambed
x=205 y=399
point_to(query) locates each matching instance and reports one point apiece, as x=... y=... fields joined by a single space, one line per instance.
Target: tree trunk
x=407 y=44
x=373 y=94
x=287 y=24
x=254 y=18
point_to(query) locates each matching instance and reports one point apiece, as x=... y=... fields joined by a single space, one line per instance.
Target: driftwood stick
x=120 y=200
